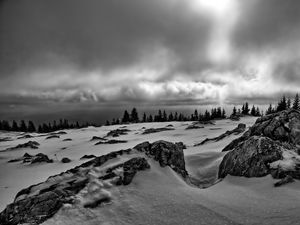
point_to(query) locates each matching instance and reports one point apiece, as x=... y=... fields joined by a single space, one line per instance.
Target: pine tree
x=196 y=116
x=126 y=117
x=253 y=111
x=23 y=126
x=144 y=118
x=134 y=116
x=288 y=103
x=171 y=117
x=15 y=126
x=31 y=127
x=223 y=114
x=296 y=103
x=269 y=110
x=234 y=111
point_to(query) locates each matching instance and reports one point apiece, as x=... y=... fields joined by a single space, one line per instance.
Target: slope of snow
x=156 y=196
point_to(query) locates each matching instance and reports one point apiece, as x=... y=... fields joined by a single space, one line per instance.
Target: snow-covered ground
x=158 y=195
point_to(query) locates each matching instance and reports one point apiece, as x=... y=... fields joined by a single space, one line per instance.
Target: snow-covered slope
x=157 y=196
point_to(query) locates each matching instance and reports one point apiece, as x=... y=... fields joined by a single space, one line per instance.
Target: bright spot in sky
x=217 y=7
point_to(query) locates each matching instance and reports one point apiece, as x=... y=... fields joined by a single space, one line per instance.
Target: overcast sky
x=131 y=51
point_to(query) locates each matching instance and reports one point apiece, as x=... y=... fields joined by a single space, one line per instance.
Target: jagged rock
x=29 y=144
x=194 y=126
x=282 y=126
x=52 y=136
x=251 y=158
x=132 y=166
x=268 y=141
x=65 y=160
x=68 y=139
x=155 y=130
x=88 y=157
x=234 y=117
x=95 y=138
x=117 y=132
x=40 y=157
x=58 y=133
x=169 y=125
x=5 y=139
x=238 y=130
x=166 y=153
x=37 y=203
x=111 y=142
x=287 y=179
x=25 y=136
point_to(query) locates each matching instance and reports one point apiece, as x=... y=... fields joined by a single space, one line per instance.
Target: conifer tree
x=296 y=103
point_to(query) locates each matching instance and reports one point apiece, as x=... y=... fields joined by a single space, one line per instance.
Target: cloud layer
x=149 y=51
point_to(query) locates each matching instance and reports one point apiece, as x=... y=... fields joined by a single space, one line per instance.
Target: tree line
x=245 y=110
x=283 y=104
x=29 y=126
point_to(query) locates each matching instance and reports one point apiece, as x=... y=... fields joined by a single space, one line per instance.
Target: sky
x=69 y=56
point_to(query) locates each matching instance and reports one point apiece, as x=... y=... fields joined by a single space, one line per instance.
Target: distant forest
x=161 y=116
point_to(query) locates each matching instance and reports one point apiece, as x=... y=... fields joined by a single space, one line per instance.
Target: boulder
x=251 y=158
x=88 y=157
x=29 y=144
x=40 y=157
x=65 y=160
x=117 y=132
x=131 y=167
x=113 y=141
x=166 y=153
x=156 y=130
x=267 y=147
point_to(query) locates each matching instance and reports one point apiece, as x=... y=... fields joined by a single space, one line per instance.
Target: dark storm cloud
x=148 y=50
x=267 y=23
x=106 y=34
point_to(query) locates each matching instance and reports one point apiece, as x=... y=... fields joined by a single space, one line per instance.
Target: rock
x=169 y=125
x=132 y=166
x=88 y=157
x=117 y=132
x=5 y=139
x=238 y=130
x=37 y=203
x=155 y=130
x=95 y=138
x=110 y=142
x=234 y=117
x=273 y=139
x=25 y=136
x=65 y=160
x=287 y=179
x=68 y=139
x=166 y=153
x=251 y=158
x=194 y=126
x=58 y=133
x=52 y=136
x=40 y=157
x=29 y=144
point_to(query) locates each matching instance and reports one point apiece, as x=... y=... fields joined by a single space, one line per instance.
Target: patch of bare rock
x=238 y=130
x=270 y=146
x=156 y=130
x=117 y=132
x=29 y=144
x=37 y=203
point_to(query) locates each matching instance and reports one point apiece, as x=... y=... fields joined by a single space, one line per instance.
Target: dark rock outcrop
x=29 y=144
x=88 y=157
x=68 y=139
x=53 y=136
x=96 y=138
x=39 y=202
x=166 y=153
x=65 y=160
x=251 y=158
x=193 y=126
x=238 y=130
x=156 y=130
x=25 y=136
x=113 y=141
x=252 y=154
x=117 y=132
x=40 y=157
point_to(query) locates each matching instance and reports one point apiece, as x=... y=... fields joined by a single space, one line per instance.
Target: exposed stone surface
x=166 y=153
x=26 y=136
x=155 y=130
x=266 y=142
x=96 y=138
x=37 y=203
x=238 y=130
x=40 y=157
x=113 y=141
x=88 y=157
x=193 y=126
x=52 y=136
x=29 y=144
x=65 y=160
x=68 y=139
x=251 y=158
x=117 y=132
